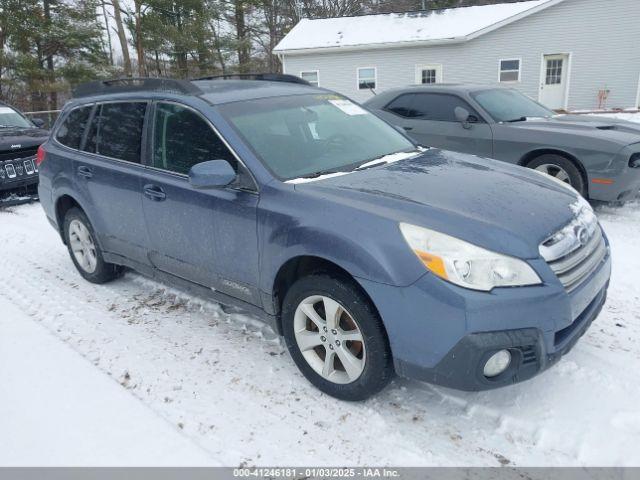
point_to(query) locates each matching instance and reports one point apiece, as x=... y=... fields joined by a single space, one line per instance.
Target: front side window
x=510 y=70
x=9 y=118
x=116 y=131
x=437 y=107
x=72 y=129
x=306 y=135
x=366 y=78
x=182 y=139
x=505 y=104
x=312 y=76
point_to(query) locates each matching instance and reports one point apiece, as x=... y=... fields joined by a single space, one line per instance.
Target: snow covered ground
x=136 y=373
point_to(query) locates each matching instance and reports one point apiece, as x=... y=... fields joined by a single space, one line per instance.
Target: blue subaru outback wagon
x=369 y=254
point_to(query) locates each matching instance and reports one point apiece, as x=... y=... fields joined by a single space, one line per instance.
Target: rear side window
x=182 y=139
x=403 y=106
x=116 y=131
x=72 y=129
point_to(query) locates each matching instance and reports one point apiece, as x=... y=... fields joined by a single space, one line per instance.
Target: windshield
x=10 y=118
x=506 y=105
x=306 y=135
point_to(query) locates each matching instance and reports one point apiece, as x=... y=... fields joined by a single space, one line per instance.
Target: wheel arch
x=301 y=266
x=63 y=204
x=533 y=154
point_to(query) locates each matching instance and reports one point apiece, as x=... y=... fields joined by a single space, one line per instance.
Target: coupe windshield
x=10 y=118
x=310 y=135
x=509 y=105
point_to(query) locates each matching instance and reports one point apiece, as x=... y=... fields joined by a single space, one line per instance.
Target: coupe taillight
x=40 y=156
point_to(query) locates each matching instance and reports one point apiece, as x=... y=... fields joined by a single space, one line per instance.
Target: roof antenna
x=373 y=91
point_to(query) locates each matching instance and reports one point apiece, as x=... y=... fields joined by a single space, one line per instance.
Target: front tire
x=561 y=168
x=336 y=337
x=85 y=251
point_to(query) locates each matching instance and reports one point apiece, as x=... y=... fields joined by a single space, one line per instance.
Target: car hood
x=25 y=137
x=504 y=208
x=620 y=131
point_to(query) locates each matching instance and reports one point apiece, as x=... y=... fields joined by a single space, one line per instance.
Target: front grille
x=575 y=267
x=19 y=153
x=576 y=251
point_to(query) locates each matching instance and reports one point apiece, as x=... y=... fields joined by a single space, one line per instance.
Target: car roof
x=447 y=87
x=215 y=91
x=218 y=92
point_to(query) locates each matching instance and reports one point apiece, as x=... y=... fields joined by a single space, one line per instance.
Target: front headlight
x=466 y=264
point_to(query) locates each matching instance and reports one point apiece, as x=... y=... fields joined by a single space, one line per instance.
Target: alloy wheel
x=329 y=339
x=555 y=171
x=83 y=246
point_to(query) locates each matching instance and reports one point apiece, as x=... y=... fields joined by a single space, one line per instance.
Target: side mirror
x=463 y=116
x=212 y=174
x=38 y=122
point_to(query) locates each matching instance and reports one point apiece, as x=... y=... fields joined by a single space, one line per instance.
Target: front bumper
x=18 y=192
x=626 y=180
x=443 y=334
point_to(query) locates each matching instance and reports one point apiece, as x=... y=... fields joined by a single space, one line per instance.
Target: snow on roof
x=436 y=26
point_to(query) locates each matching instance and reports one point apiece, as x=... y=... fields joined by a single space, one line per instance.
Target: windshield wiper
x=321 y=173
x=521 y=119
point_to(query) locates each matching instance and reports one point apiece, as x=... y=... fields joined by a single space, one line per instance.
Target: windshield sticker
x=348 y=107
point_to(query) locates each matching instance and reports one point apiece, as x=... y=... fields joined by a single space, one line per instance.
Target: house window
x=428 y=74
x=366 y=78
x=311 y=76
x=510 y=70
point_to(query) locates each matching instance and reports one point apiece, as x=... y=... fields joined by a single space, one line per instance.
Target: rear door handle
x=154 y=193
x=408 y=129
x=85 y=172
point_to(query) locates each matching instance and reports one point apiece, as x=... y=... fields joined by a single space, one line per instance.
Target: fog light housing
x=497 y=364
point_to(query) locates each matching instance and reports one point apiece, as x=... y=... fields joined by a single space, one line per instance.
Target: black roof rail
x=269 y=77
x=136 y=84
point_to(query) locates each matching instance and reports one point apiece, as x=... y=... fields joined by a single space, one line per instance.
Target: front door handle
x=408 y=129
x=85 y=172
x=154 y=193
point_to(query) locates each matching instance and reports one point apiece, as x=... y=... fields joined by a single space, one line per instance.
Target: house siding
x=602 y=39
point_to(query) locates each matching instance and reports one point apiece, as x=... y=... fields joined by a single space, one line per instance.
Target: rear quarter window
x=71 y=130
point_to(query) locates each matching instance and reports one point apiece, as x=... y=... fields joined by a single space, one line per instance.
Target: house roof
x=384 y=30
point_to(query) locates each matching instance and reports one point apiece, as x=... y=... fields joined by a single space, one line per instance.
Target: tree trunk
x=106 y=24
x=122 y=37
x=51 y=74
x=142 y=67
x=241 y=36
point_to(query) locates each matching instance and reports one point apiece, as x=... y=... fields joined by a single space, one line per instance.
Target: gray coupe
x=598 y=156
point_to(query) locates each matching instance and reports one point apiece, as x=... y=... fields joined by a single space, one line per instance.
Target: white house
x=568 y=54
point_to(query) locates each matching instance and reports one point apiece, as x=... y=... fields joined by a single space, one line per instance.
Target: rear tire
x=85 y=251
x=562 y=168
x=346 y=327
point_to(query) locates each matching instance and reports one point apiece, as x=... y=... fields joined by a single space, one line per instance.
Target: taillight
x=40 y=156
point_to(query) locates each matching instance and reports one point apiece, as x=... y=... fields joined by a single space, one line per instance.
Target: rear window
x=72 y=129
x=116 y=131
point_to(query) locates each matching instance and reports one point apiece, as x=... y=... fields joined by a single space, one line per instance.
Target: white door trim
x=543 y=76
x=637 y=105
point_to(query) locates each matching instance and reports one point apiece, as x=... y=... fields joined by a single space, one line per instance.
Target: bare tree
x=117 y=15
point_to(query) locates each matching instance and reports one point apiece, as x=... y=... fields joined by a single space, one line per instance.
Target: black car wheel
x=336 y=337
x=561 y=168
x=84 y=249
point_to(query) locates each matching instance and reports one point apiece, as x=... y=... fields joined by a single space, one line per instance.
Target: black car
x=19 y=142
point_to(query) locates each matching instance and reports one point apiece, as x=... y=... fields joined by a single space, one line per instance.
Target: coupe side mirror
x=38 y=122
x=212 y=174
x=463 y=116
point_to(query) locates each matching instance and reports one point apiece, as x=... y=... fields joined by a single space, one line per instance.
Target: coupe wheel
x=561 y=168
x=84 y=249
x=336 y=337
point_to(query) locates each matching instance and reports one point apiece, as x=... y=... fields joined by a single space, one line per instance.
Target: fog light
x=497 y=363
